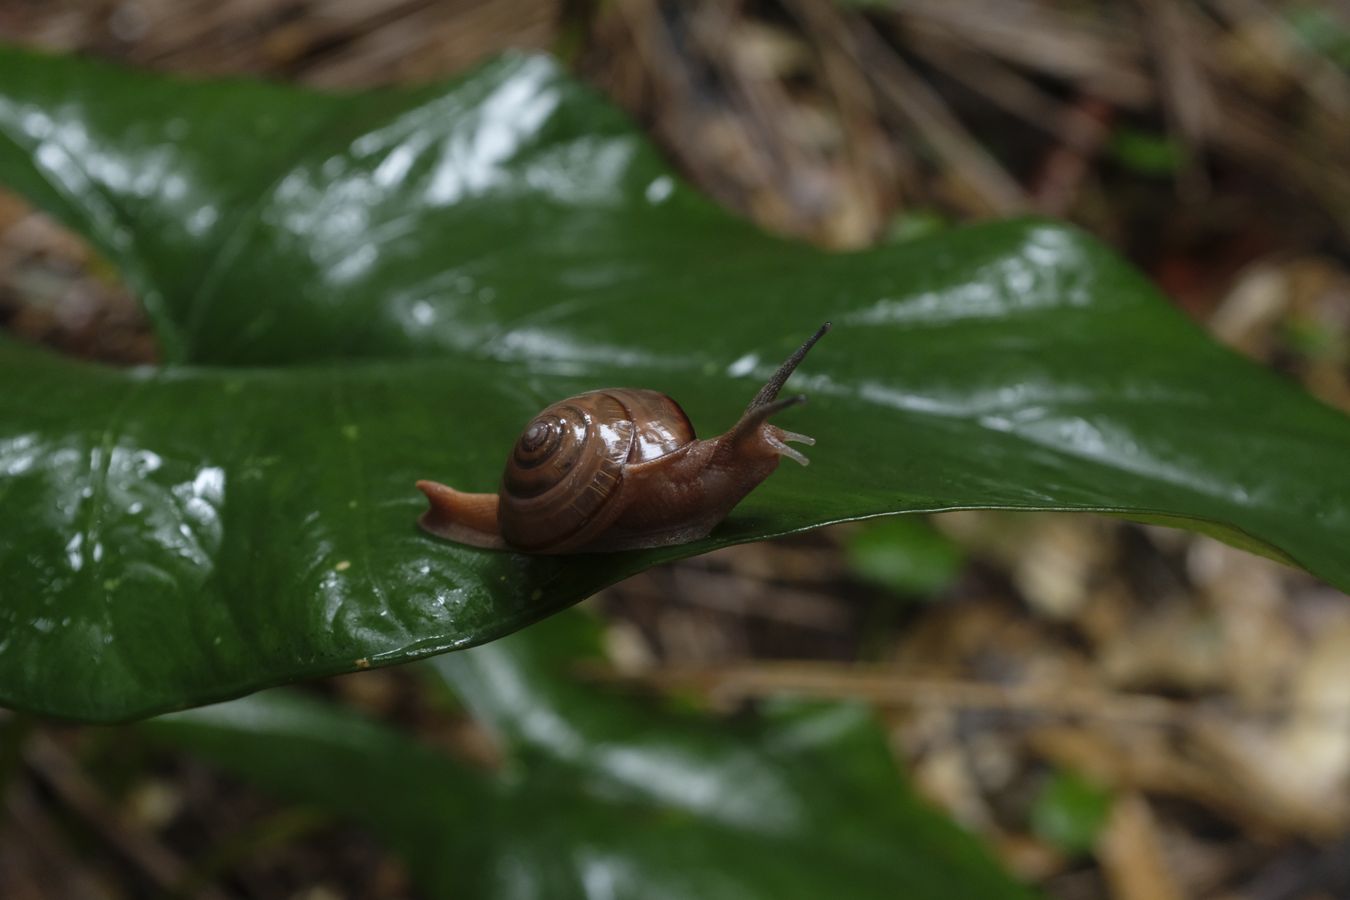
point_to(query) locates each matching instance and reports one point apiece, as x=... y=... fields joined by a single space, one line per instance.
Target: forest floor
x=1122 y=711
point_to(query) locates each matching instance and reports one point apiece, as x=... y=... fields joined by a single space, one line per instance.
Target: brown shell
x=563 y=482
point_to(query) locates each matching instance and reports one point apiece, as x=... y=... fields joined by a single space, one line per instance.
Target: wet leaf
x=354 y=292
x=602 y=795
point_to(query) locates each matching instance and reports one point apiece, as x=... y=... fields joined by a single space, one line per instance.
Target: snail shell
x=619 y=469
x=587 y=440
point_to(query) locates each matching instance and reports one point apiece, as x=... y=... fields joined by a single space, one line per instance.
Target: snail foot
x=462 y=517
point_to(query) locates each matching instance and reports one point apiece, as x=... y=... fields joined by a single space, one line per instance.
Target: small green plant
x=1070 y=811
x=904 y=554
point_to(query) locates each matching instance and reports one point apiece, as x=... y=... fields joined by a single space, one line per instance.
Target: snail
x=620 y=469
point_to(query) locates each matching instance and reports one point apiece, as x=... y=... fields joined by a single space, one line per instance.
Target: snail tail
x=464 y=518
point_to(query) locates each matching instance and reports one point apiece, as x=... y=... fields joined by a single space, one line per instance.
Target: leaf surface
x=355 y=292
x=605 y=796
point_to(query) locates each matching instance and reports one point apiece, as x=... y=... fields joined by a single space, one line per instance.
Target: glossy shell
x=563 y=482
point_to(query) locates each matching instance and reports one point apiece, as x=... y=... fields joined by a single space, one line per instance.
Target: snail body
x=619 y=469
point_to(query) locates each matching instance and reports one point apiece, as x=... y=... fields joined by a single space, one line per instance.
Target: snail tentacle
x=783 y=449
x=756 y=416
x=775 y=384
x=796 y=438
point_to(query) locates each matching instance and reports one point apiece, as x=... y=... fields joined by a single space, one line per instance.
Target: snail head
x=753 y=430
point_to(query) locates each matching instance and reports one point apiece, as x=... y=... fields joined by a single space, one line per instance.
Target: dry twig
x=164 y=868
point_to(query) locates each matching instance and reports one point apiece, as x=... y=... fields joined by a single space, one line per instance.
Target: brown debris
x=333 y=44
x=1133 y=856
x=54 y=290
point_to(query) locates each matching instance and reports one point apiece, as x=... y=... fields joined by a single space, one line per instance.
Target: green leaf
x=1323 y=31
x=905 y=554
x=1070 y=812
x=916 y=223
x=602 y=795
x=1146 y=152
x=358 y=291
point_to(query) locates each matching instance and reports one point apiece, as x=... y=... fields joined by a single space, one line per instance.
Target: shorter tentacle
x=782 y=449
x=798 y=438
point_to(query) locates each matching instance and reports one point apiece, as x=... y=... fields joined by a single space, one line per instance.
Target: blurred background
x=1120 y=711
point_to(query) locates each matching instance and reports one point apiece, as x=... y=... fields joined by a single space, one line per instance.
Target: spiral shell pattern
x=563 y=482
